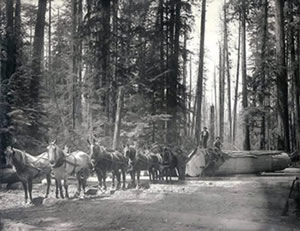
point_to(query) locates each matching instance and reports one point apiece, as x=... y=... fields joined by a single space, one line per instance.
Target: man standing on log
x=218 y=143
x=204 y=137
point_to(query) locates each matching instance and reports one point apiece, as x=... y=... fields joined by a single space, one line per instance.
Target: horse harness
x=24 y=157
x=64 y=161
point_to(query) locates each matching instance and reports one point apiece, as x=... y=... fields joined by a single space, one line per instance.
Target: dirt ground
x=247 y=202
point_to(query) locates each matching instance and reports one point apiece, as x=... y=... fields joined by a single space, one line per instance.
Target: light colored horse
x=29 y=167
x=63 y=165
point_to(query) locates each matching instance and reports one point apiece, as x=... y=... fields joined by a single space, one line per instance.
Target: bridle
x=59 y=160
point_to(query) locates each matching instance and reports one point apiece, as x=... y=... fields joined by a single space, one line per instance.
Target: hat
x=205 y=128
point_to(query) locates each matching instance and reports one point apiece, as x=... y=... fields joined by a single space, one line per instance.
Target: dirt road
x=227 y=203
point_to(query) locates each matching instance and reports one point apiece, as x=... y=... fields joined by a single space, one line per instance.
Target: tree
x=246 y=130
x=200 y=74
x=281 y=76
x=227 y=64
x=221 y=93
x=236 y=87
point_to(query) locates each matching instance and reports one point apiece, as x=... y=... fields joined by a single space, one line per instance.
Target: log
x=118 y=119
x=8 y=176
x=237 y=162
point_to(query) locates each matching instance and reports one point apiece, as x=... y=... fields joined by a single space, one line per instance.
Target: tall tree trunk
x=118 y=119
x=113 y=94
x=106 y=79
x=200 y=74
x=7 y=69
x=10 y=40
x=281 y=78
x=18 y=34
x=221 y=94
x=190 y=99
x=38 y=45
x=216 y=102
x=261 y=95
x=226 y=50
x=294 y=72
x=76 y=62
x=172 y=88
x=49 y=35
x=246 y=130
x=185 y=113
x=297 y=84
x=212 y=125
x=236 y=87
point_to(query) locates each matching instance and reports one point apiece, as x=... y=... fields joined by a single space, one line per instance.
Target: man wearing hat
x=218 y=143
x=204 y=137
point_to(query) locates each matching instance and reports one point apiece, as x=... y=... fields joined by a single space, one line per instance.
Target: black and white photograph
x=149 y=115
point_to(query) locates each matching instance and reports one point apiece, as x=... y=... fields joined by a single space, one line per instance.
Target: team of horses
x=160 y=161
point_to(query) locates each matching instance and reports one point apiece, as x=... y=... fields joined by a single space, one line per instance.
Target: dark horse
x=29 y=167
x=138 y=161
x=169 y=163
x=108 y=160
x=64 y=165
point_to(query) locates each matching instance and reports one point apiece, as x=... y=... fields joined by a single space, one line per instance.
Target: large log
x=8 y=176
x=237 y=162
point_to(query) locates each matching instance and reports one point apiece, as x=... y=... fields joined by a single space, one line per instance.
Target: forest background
x=163 y=68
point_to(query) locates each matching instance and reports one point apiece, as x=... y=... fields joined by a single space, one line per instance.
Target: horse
x=169 y=163
x=64 y=165
x=155 y=168
x=108 y=160
x=29 y=167
x=137 y=161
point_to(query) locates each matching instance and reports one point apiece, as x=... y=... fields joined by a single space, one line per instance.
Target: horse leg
x=84 y=181
x=138 y=173
x=99 y=176
x=118 y=174
x=124 y=177
x=24 y=183
x=60 y=189
x=56 y=188
x=66 y=187
x=79 y=183
x=30 y=189
x=48 y=177
x=104 y=180
x=133 y=177
x=150 y=172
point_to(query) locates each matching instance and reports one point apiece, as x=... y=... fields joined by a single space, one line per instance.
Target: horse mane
x=22 y=159
x=60 y=151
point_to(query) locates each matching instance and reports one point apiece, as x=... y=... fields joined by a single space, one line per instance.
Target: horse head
x=167 y=156
x=55 y=154
x=9 y=153
x=96 y=149
x=129 y=153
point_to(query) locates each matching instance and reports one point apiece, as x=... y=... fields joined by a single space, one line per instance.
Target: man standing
x=204 y=137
